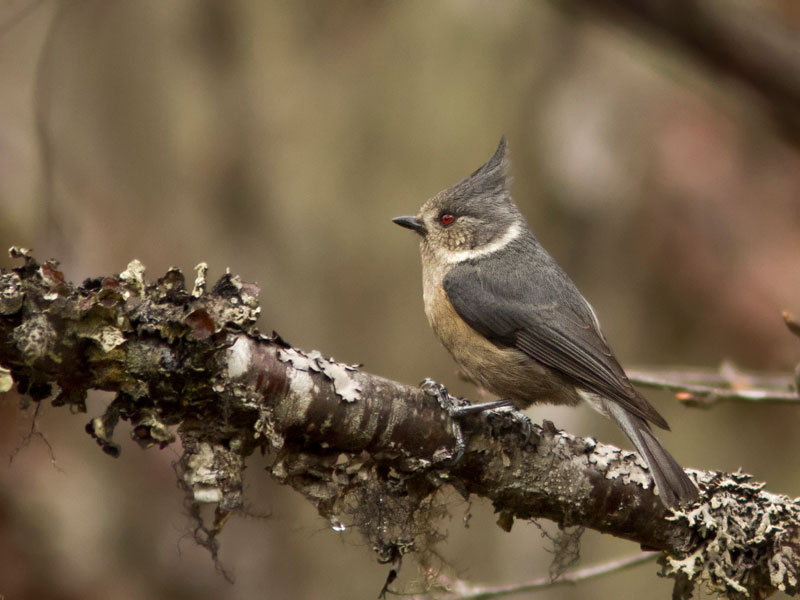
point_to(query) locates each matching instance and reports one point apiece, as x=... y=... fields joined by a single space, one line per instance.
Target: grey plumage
x=516 y=323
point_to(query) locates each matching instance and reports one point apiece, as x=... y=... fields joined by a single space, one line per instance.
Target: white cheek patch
x=453 y=257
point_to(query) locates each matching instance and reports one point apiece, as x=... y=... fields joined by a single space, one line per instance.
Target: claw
x=526 y=425
x=493 y=408
x=438 y=391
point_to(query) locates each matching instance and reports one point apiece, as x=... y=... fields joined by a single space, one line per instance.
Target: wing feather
x=541 y=312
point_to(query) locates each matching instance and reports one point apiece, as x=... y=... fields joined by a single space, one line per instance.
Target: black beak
x=412 y=223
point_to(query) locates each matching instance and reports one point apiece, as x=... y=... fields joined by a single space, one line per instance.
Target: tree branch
x=366 y=451
x=706 y=387
x=465 y=591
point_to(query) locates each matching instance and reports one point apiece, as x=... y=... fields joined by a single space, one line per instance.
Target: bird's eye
x=447 y=219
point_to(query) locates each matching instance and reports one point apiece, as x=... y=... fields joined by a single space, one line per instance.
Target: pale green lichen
x=11 y=295
x=741 y=515
x=200 y=280
x=108 y=338
x=34 y=338
x=133 y=278
x=6 y=380
x=202 y=475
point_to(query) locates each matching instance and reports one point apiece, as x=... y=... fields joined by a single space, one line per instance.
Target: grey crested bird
x=515 y=322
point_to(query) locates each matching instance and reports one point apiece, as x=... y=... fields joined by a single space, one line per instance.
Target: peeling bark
x=367 y=451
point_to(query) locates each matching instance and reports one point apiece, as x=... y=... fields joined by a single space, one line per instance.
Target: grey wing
x=544 y=315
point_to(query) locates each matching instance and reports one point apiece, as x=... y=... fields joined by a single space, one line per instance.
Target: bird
x=514 y=321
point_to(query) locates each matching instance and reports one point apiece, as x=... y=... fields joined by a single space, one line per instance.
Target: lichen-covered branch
x=368 y=452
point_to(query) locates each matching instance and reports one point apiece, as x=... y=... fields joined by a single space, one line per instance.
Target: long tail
x=674 y=486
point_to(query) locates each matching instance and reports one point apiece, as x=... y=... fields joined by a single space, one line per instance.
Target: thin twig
x=791 y=323
x=542 y=583
x=718 y=385
x=35 y=432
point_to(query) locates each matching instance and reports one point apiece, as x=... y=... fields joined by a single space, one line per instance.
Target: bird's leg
x=455 y=411
x=447 y=402
x=517 y=415
x=483 y=406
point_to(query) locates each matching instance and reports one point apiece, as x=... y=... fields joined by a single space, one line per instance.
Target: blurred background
x=278 y=139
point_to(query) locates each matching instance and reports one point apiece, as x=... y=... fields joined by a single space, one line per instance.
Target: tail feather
x=674 y=486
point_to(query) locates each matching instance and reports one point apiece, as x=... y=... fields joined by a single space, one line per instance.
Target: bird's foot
x=458 y=411
x=448 y=403
x=496 y=409
x=438 y=391
x=524 y=424
x=497 y=406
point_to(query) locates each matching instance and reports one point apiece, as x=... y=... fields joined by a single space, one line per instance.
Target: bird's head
x=467 y=219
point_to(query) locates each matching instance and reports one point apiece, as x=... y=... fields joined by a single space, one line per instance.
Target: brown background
x=278 y=139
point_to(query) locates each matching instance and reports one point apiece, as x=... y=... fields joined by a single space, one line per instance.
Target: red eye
x=447 y=218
